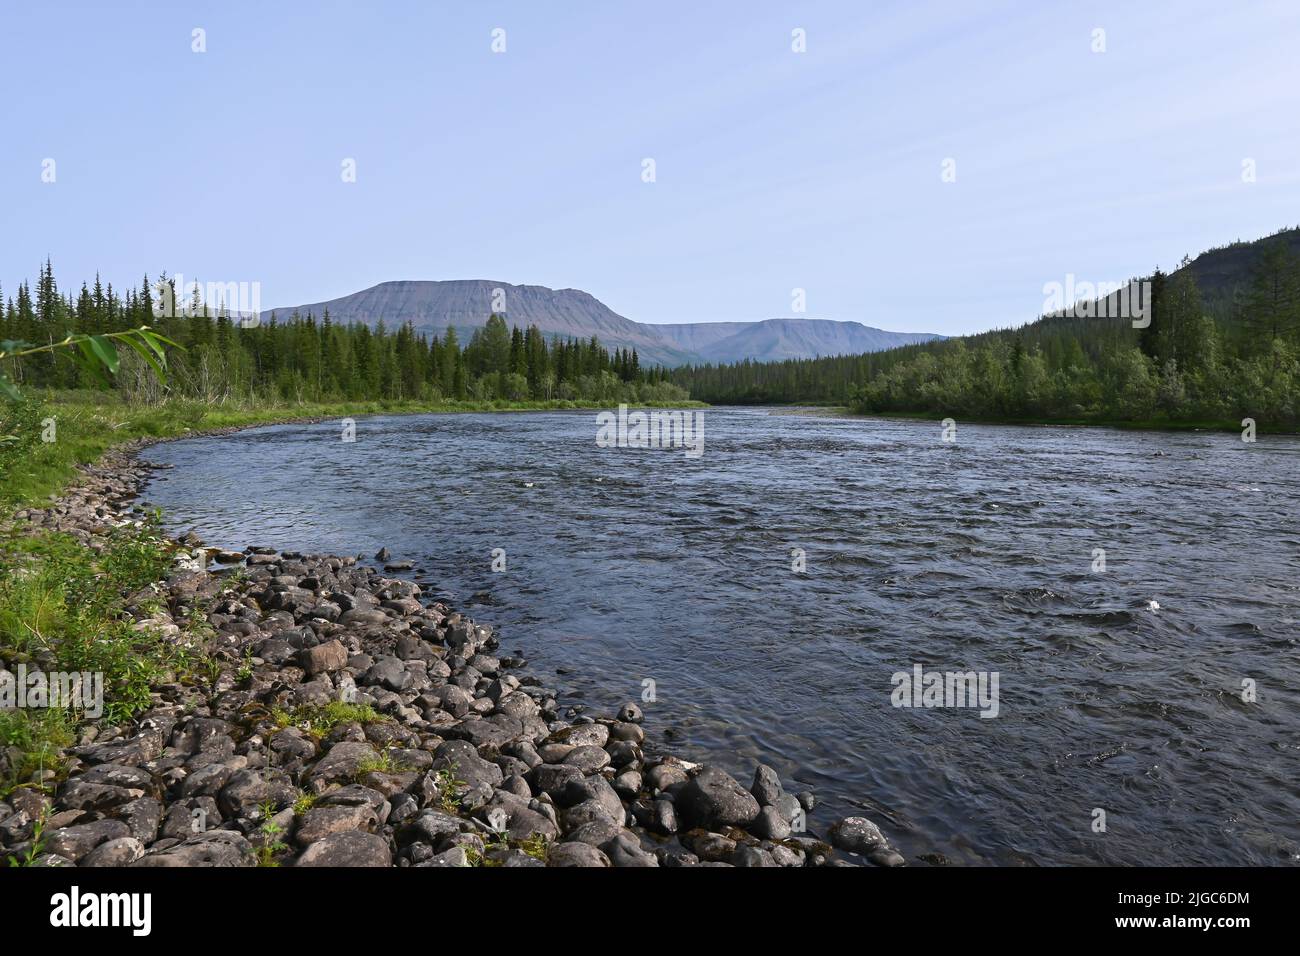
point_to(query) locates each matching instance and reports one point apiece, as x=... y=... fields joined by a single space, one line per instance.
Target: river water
x=1119 y=690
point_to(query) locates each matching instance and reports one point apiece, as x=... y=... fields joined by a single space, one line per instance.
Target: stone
x=666 y=776
x=143 y=817
x=767 y=787
x=589 y=811
x=856 y=835
x=120 y=852
x=881 y=856
x=139 y=749
x=769 y=825
x=341 y=763
x=428 y=826
x=665 y=817
x=581 y=789
x=627 y=784
x=351 y=849
x=456 y=856
x=588 y=759
x=625 y=850
x=597 y=833
x=626 y=733
x=81 y=794
x=496 y=730
x=250 y=789
x=363 y=616
x=709 y=847
x=213 y=848
x=623 y=753
x=206 y=781
x=576 y=854
x=785 y=856
x=388 y=672
x=76 y=841
x=323 y=658
x=747 y=856
x=463 y=762
x=319 y=822
x=713 y=798
x=582 y=735
x=551 y=778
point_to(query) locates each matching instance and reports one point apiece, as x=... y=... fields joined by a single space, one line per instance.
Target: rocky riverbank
x=346 y=722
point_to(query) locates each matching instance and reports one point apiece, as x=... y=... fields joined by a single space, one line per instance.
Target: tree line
x=1236 y=357
x=224 y=357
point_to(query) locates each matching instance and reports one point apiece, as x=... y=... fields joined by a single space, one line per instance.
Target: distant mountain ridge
x=465 y=304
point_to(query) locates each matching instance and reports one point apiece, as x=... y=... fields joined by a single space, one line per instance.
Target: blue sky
x=775 y=170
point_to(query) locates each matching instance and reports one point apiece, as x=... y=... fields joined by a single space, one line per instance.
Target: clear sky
x=774 y=170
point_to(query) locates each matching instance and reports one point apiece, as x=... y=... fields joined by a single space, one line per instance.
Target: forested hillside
x=1234 y=354
x=309 y=358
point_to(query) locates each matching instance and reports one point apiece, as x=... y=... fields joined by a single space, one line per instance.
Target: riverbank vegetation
x=225 y=359
x=1232 y=354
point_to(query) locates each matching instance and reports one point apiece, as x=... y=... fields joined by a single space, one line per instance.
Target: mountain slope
x=433 y=306
x=773 y=340
x=1220 y=273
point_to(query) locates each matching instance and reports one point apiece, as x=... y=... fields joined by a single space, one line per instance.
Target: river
x=772 y=586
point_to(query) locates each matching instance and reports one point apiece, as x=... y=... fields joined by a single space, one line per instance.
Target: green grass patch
x=319 y=721
x=383 y=762
x=62 y=609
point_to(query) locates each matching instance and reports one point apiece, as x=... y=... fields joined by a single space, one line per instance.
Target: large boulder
x=856 y=835
x=323 y=658
x=76 y=841
x=214 y=848
x=352 y=848
x=713 y=798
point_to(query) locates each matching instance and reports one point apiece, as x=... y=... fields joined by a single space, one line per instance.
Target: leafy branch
x=97 y=354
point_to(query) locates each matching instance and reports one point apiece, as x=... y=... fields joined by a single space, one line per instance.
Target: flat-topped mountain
x=465 y=304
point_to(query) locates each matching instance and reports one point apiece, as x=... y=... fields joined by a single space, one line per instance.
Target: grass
x=38 y=841
x=304 y=802
x=447 y=787
x=62 y=609
x=318 y=721
x=536 y=846
x=270 y=832
x=383 y=762
x=40 y=737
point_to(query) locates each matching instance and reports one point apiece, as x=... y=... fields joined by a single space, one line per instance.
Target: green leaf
x=148 y=357
x=152 y=340
x=160 y=337
x=88 y=360
x=9 y=389
x=105 y=351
